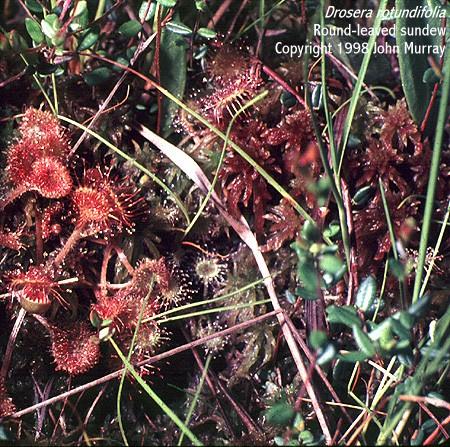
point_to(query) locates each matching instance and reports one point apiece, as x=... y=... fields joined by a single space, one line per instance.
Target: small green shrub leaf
x=331 y=264
x=343 y=315
x=147 y=10
x=97 y=76
x=33 y=6
x=366 y=294
x=362 y=196
x=280 y=414
x=130 y=28
x=34 y=30
x=88 y=40
x=207 y=33
x=317 y=339
x=363 y=341
x=179 y=28
x=168 y=3
x=310 y=232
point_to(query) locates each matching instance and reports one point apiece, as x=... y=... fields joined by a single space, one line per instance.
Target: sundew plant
x=224 y=222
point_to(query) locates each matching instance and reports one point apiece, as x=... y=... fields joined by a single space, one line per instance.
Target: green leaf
x=397 y=268
x=362 y=196
x=326 y=354
x=430 y=76
x=34 y=30
x=81 y=8
x=400 y=329
x=332 y=230
x=317 y=339
x=88 y=40
x=366 y=294
x=50 y=26
x=363 y=341
x=173 y=75
x=147 y=12
x=33 y=6
x=343 y=315
x=167 y=3
x=179 y=28
x=353 y=357
x=130 y=28
x=308 y=276
x=330 y=264
x=413 y=65
x=200 y=5
x=306 y=294
x=97 y=76
x=280 y=414
x=207 y=33
x=310 y=232
x=420 y=307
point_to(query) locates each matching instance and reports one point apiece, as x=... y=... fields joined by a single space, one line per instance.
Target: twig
x=150 y=361
x=219 y=13
x=140 y=49
x=195 y=173
x=11 y=343
x=276 y=77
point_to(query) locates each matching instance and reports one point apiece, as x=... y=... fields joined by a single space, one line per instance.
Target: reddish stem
x=38 y=235
x=70 y=243
x=276 y=77
x=106 y=257
x=12 y=195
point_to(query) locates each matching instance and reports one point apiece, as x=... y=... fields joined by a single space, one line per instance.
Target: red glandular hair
x=395 y=154
x=37 y=160
x=75 y=347
x=11 y=240
x=35 y=289
x=103 y=205
x=44 y=133
x=235 y=80
x=240 y=180
x=6 y=404
x=150 y=280
x=295 y=135
x=50 y=225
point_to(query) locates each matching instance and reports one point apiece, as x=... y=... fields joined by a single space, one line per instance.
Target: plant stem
x=70 y=243
x=100 y=9
x=12 y=343
x=436 y=249
x=432 y=182
x=359 y=83
x=11 y=196
x=393 y=240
